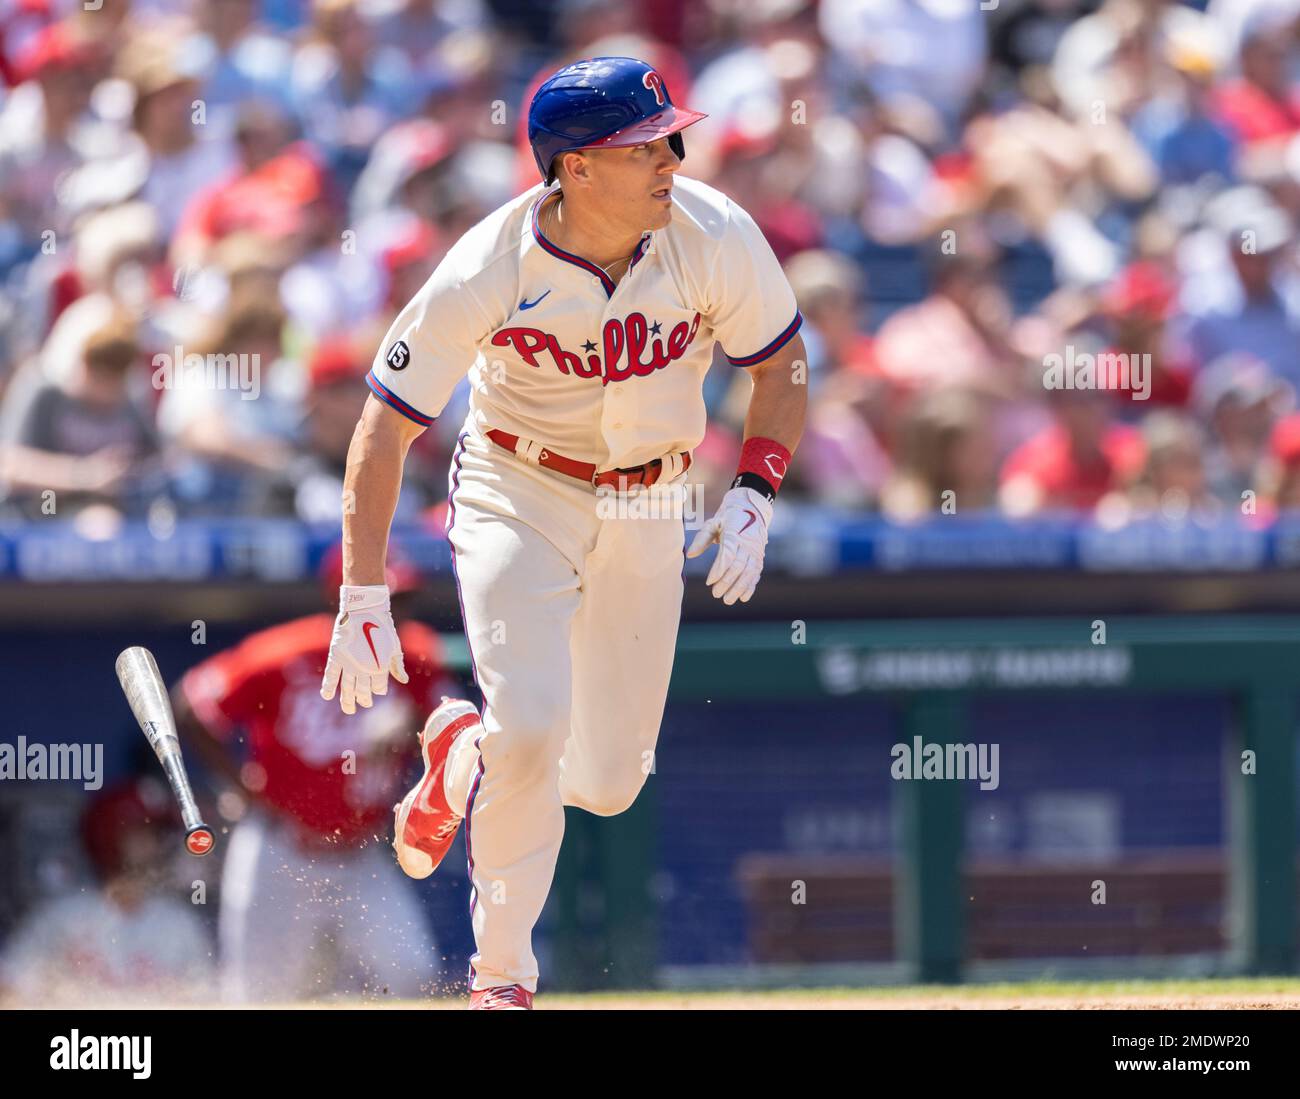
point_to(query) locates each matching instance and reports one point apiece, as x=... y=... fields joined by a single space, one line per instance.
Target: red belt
x=646 y=474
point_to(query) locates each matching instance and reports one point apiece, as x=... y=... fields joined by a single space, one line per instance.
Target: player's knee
x=613 y=795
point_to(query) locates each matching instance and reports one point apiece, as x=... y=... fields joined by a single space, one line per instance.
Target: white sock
x=462 y=762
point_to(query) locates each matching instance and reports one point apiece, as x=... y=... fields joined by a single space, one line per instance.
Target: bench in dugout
x=1158 y=904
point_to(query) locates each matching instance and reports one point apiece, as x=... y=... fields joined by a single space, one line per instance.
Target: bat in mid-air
x=138 y=673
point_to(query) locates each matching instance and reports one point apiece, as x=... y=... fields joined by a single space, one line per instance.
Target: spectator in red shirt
x=407 y=263
x=45 y=134
x=264 y=193
x=1262 y=104
x=1139 y=303
x=1283 y=476
x=748 y=170
x=960 y=334
x=1076 y=461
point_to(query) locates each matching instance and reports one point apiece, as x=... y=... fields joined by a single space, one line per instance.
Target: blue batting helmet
x=608 y=102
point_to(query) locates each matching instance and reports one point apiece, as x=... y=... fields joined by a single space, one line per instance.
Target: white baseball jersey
x=560 y=355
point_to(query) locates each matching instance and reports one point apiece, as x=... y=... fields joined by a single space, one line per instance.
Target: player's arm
x=428 y=349
x=365 y=648
x=779 y=403
x=371 y=485
x=773 y=425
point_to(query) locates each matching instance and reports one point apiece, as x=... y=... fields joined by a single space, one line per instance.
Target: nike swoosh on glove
x=364 y=648
x=740 y=529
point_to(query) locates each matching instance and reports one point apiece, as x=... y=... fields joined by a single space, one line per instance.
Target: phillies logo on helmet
x=655 y=83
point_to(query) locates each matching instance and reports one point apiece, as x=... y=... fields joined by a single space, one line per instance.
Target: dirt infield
x=1244 y=995
x=779 y=1001
x=1231 y=994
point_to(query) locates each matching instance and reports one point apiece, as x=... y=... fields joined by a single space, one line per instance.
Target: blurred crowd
x=210 y=210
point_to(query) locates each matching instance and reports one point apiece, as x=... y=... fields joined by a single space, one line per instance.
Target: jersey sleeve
x=752 y=308
x=430 y=346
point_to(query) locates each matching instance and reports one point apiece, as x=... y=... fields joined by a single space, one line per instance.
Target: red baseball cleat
x=503 y=998
x=424 y=824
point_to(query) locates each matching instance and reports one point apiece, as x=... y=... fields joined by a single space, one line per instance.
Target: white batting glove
x=364 y=649
x=740 y=529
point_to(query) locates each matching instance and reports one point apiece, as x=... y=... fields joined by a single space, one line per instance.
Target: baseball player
x=585 y=311
x=310 y=903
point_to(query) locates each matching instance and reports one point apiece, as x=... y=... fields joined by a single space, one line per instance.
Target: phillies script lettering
x=626 y=350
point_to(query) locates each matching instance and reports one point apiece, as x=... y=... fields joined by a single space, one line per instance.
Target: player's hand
x=740 y=529
x=364 y=650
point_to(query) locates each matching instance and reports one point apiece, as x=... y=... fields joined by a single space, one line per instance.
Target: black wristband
x=757 y=483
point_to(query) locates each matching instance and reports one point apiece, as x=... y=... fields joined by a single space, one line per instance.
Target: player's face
x=635 y=184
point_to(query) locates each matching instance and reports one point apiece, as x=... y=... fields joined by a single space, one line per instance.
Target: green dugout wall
x=601 y=911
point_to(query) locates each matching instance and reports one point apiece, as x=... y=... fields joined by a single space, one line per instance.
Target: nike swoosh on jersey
x=526 y=304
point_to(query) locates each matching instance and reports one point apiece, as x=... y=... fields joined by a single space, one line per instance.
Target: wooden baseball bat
x=142 y=683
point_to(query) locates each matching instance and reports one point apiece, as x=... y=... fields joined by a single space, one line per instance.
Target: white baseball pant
x=571 y=617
